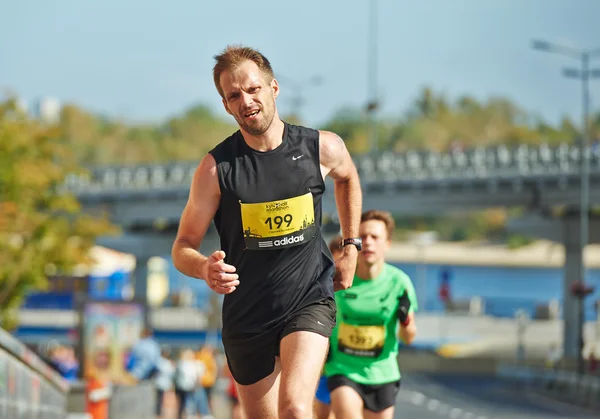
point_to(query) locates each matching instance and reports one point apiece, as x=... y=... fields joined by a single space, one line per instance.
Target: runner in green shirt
x=372 y=316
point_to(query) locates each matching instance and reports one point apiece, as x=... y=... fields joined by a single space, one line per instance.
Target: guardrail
x=582 y=390
x=494 y=162
x=29 y=388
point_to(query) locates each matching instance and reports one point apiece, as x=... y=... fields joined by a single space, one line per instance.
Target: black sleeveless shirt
x=269 y=223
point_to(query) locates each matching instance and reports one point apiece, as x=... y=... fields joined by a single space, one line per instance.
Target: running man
x=362 y=369
x=263 y=187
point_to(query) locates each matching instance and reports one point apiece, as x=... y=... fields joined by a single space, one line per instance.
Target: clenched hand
x=220 y=277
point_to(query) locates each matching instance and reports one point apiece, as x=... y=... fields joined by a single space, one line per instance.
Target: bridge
x=147 y=200
x=413 y=182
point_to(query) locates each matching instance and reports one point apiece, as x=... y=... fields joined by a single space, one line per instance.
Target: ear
x=275 y=87
x=226 y=106
x=388 y=244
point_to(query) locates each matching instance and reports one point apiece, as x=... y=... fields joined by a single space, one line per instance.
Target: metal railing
x=29 y=388
x=479 y=163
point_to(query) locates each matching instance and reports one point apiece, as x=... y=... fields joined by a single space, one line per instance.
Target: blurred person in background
x=199 y=400
x=322 y=397
x=206 y=355
x=362 y=369
x=98 y=389
x=554 y=356
x=62 y=360
x=144 y=357
x=592 y=360
x=48 y=353
x=67 y=363
x=186 y=379
x=444 y=291
x=163 y=380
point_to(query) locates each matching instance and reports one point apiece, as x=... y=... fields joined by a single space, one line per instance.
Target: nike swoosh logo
x=297 y=157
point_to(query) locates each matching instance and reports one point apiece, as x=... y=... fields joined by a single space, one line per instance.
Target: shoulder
x=329 y=138
x=397 y=274
x=224 y=150
x=303 y=135
x=331 y=147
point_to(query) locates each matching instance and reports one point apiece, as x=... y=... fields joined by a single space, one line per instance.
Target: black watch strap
x=356 y=241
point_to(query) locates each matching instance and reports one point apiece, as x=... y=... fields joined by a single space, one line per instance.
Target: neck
x=366 y=271
x=269 y=140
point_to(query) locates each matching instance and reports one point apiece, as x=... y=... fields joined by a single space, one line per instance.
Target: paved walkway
x=220 y=403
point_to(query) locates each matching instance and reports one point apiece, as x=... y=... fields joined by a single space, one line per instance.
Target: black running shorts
x=252 y=358
x=376 y=398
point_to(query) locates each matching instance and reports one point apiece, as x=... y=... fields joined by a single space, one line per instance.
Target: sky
x=150 y=60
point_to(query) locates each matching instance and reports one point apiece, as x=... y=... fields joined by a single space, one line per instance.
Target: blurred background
x=476 y=124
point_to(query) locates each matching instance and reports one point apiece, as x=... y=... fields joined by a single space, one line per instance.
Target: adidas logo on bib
x=289 y=240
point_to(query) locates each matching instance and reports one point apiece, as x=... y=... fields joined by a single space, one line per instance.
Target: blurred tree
x=351 y=125
x=432 y=122
x=41 y=226
x=97 y=140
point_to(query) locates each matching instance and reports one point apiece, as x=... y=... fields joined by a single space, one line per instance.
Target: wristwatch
x=356 y=241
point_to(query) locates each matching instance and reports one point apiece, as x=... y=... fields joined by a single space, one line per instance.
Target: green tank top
x=364 y=343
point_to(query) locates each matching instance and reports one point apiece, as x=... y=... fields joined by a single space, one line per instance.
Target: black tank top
x=269 y=223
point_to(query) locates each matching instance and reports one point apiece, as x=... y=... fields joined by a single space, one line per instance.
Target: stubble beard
x=262 y=126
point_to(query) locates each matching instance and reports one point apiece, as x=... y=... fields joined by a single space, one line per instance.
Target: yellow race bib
x=277 y=224
x=365 y=341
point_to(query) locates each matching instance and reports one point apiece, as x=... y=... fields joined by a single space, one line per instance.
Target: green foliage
x=515 y=241
x=98 y=141
x=41 y=228
x=433 y=122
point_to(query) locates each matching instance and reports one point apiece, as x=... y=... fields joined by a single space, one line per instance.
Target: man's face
x=375 y=242
x=249 y=97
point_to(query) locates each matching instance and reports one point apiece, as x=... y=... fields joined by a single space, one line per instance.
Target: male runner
x=362 y=368
x=263 y=187
x=323 y=397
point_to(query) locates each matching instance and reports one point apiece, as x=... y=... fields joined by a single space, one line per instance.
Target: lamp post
x=372 y=100
x=585 y=74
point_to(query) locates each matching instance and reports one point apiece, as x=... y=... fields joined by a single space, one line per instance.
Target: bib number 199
x=279 y=224
x=278 y=221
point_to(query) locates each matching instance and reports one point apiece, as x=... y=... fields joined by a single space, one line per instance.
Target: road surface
x=476 y=397
x=453 y=397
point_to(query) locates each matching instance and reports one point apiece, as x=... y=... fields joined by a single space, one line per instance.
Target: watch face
x=358 y=244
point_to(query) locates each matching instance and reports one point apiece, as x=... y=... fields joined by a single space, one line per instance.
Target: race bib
x=278 y=224
x=364 y=341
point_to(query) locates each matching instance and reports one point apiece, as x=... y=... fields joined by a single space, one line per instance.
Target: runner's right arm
x=203 y=202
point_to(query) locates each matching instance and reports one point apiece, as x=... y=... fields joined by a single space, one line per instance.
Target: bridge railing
x=480 y=162
x=29 y=388
x=497 y=162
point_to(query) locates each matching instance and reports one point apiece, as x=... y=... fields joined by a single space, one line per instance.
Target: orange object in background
x=97 y=397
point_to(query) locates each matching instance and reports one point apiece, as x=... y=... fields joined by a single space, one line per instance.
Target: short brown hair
x=334 y=243
x=382 y=216
x=233 y=56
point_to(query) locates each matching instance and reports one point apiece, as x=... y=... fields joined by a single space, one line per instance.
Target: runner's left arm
x=337 y=163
